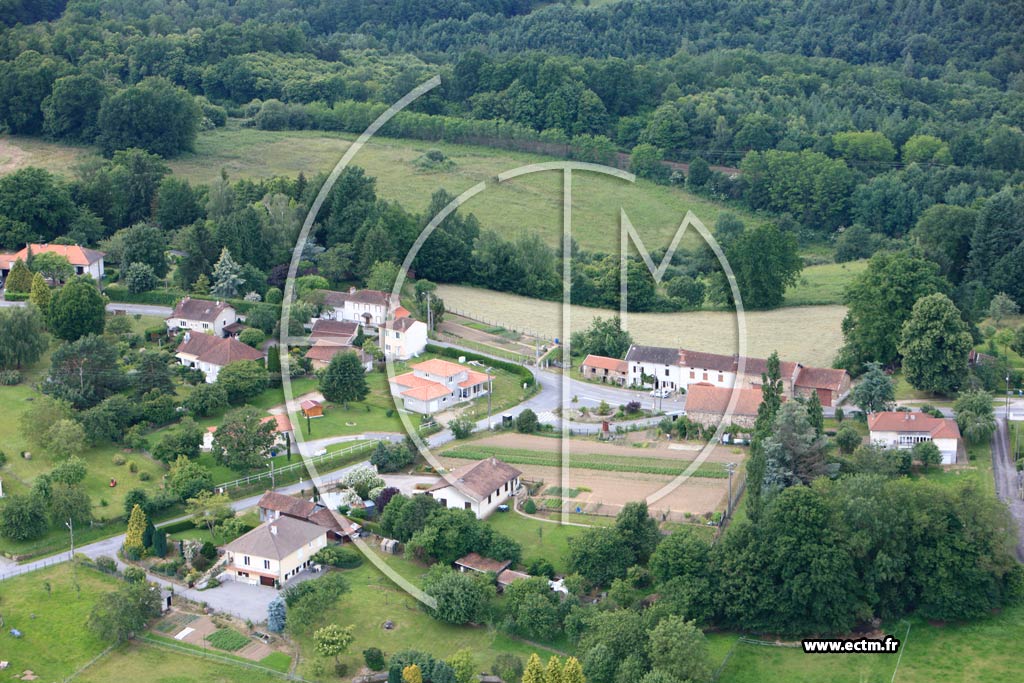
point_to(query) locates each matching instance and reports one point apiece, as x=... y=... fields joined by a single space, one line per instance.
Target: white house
x=211 y=354
x=275 y=551
x=364 y=306
x=901 y=430
x=480 y=487
x=200 y=315
x=437 y=384
x=677 y=369
x=84 y=261
x=403 y=338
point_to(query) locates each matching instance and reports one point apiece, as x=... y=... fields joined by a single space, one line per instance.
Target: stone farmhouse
x=706 y=405
x=605 y=369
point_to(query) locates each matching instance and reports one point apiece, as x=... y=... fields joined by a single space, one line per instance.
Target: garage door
x=266 y=581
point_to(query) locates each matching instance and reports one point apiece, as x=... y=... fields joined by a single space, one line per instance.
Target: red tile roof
x=325 y=350
x=899 y=421
x=511 y=576
x=821 y=378
x=427 y=392
x=324 y=328
x=281 y=422
x=286 y=505
x=480 y=478
x=76 y=255
x=218 y=351
x=441 y=368
x=605 y=363
x=474 y=379
x=705 y=398
x=198 y=309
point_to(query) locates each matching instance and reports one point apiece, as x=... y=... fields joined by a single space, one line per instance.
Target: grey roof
x=291 y=535
x=652 y=354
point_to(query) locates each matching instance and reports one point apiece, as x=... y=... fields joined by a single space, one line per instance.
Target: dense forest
x=852 y=128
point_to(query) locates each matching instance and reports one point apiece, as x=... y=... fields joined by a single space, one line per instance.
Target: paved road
x=131 y=309
x=110 y=546
x=1008 y=480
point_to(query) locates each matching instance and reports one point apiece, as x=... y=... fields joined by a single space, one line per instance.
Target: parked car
x=661 y=393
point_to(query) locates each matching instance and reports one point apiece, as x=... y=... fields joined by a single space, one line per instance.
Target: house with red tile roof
x=84 y=261
x=210 y=354
x=479 y=486
x=904 y=430
x=605 y=369
x=203 y=316
x=437 y=384
x=706 y=404
x=678 y=369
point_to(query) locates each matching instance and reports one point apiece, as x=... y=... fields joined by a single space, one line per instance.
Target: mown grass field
x=591 y=461
x=527 y=204
x=809 y=334
x=140 y=661
x=824 y=284
x=983 y=651
x=55 y=641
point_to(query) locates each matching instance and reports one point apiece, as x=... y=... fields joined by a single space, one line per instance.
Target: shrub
x=461 y=427
x=526 y=421
x=144 y=476
x=9 y=378
x=338 y=556
x=201 y=563
x=133 y=467
x=529 y=507
x=118 y=460
x=374 y=658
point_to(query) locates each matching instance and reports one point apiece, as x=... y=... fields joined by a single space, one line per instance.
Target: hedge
x=178 y=527
x=508 y=366
x=170 y=297
x=16 y=296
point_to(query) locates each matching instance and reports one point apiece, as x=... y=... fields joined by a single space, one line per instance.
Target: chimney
x=351 y=290
x=273 y=529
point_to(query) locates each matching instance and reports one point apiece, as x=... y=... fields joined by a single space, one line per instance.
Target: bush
x=9 y=378
x=374 y=658
x=338 y=556
x=526 y=422
x=529 y=507
x=118 y=460
x=144 y=476
x=461 y=427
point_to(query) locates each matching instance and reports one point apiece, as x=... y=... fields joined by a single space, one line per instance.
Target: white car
x=661 y=393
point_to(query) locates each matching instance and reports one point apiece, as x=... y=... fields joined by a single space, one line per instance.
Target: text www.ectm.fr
x=887 y=645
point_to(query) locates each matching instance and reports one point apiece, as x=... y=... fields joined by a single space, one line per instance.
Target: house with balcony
x=435 y=385
x=201 y=315
x=904 y=430
x=275 y=551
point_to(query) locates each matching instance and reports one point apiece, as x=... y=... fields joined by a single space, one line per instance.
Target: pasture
x=809 y=334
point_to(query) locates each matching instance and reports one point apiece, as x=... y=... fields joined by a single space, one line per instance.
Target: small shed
x=476 y=562
x=311 y=408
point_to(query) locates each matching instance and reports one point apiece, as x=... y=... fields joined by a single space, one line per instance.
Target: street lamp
x=1007 y=396
x=730 y=467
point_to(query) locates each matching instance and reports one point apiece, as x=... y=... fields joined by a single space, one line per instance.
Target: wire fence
x=89 y=663
x=288 y=470
x=37 y=564
x=222 y=659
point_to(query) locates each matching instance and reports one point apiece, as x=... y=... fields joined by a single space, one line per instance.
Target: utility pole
x=1007 y=398
x=730 y=467
x=70 y=524
x=490 y=389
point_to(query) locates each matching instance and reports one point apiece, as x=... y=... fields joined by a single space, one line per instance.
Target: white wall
x=457 y=500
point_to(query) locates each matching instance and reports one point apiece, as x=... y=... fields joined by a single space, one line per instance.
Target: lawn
x=539 y=539
x=594 y=461
x=531 y=203
x=824 y=284
x=55 y=641
x=372 y=600
x=138 y=661
x=982 y=651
